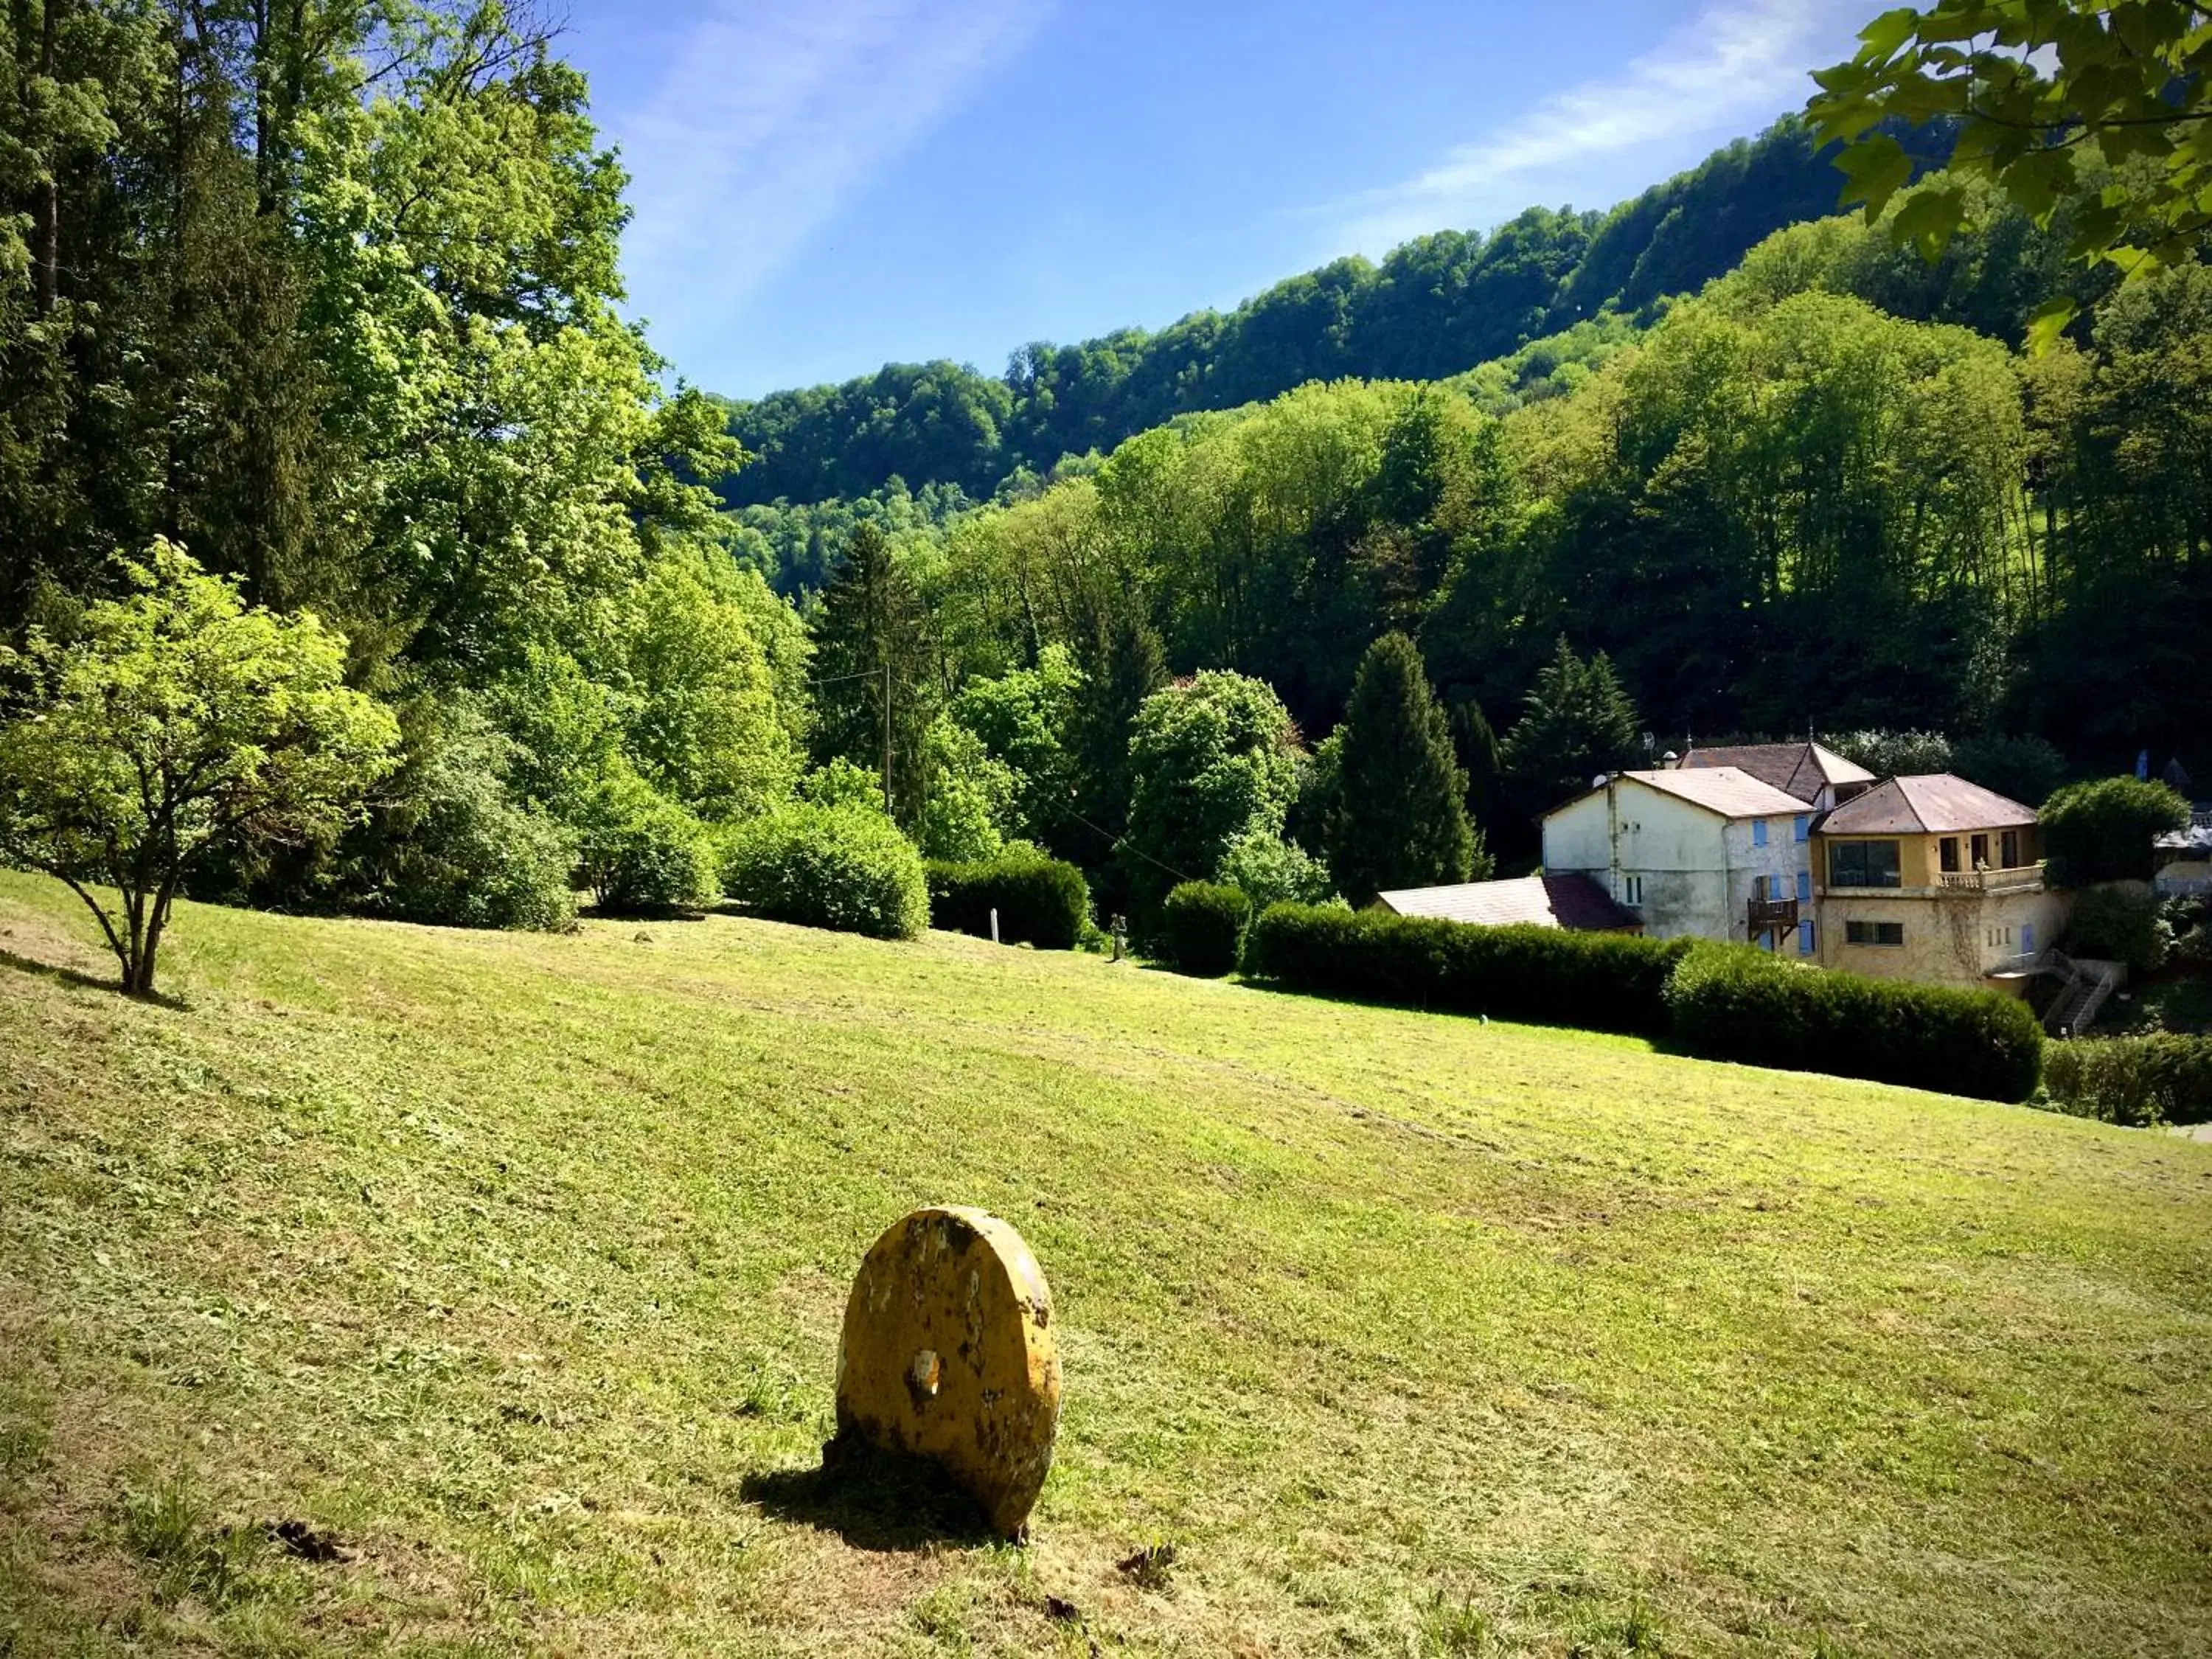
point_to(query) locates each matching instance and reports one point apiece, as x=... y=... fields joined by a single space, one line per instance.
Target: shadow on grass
x=648 y=913
x=874 y=1500
x=23 y=964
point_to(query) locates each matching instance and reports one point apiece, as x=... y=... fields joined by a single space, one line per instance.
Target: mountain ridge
x=1434 y=306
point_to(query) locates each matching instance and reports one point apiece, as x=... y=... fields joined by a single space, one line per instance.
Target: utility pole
x=887 y=738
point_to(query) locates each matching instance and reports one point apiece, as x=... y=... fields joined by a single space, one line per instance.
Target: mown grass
x=514 y=1266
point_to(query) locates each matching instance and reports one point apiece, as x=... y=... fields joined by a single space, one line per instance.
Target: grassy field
x=514 y=1266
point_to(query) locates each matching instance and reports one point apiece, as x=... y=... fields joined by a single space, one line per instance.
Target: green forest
x=312 y=311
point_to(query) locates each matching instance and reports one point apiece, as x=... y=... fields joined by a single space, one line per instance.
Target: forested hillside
x=262 y=321
x=1435 y=306
x=1826 y=490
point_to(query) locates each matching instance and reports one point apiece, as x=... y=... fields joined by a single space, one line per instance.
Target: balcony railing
x=1769 y=915
x=2028 y=878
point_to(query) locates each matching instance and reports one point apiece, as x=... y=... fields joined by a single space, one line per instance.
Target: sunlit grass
x=515 y=1264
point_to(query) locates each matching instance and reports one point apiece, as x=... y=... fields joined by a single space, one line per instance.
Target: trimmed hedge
x=1599 y=981
x=1204 y=926
x=842 y=867
x=2161 y=1078
x=1721 y=1002
x=1040 y=901
x=1732 y=1002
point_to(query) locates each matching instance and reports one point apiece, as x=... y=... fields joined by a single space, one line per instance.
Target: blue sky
x=823 y=185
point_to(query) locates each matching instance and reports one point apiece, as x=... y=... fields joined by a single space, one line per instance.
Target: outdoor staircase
x=2082 y=991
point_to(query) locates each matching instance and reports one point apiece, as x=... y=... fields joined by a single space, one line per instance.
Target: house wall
x=1779 y=861
x=2183 y=876
x=1695 y=870
x=1952 y=937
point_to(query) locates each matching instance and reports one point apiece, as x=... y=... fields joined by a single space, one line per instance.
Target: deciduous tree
x=172 y=723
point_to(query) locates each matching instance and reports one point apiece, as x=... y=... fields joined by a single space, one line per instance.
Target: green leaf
x=1878 y=168
x=1882 y=36
x=1929 y=218
x=2037 y=180
x=2048 y=322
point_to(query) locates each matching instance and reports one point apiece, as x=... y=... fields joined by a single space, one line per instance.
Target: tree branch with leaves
x=2102 y=109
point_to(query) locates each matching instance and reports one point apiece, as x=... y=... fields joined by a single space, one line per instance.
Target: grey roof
x=1796 y=768
x=1571 y=902
x=2198 y=838
x=1729 y=792
x=1937 y=804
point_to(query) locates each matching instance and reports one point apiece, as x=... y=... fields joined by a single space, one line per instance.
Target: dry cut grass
x=509 y=1270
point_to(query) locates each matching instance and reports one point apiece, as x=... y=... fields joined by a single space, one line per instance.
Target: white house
x=1707 y=852
x=2185 y=858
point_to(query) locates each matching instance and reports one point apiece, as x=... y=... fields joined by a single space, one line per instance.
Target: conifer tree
x=1400 y=813
x=1577 y=722
x=872 y=641
x=1122 y=664
x=1476 y=744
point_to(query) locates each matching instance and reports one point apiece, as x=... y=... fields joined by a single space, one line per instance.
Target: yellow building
x=1933 y=878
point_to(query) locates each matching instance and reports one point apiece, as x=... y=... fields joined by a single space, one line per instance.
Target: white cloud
x=772 y=115
x=1740 y=60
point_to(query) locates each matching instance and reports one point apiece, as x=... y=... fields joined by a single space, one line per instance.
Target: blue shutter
x=1804 y=828
x=1759 y=832
x=1804 y=887
x=1804 y=938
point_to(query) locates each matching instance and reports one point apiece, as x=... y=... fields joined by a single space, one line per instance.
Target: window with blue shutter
x=1804 y=887
x=1804 y=938
x=1804 y=828
x=1759 y=832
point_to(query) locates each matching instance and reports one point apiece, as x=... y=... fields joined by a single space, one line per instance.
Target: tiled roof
x=1570 y=902
x=1796 y=768
x=1726 y=790
x=1938 y=803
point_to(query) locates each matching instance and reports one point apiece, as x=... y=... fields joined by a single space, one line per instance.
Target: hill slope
x=517 y=1263
x=1436 y=306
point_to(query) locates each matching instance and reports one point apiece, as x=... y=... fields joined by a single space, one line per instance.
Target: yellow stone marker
x=948 y=1353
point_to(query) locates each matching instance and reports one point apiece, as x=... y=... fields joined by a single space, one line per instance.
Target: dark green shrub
x=2112 y=924
x=844 y=867
x=446 y=841
x=1203 y=926
x=2103 y=830
x=1732 y=1002
x=1600 y=981
x=641 y=852
x=2136 y=1080
x=458 y=851
x=1040 y=901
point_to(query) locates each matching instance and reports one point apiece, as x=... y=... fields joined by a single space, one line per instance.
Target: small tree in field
x=174 y=722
